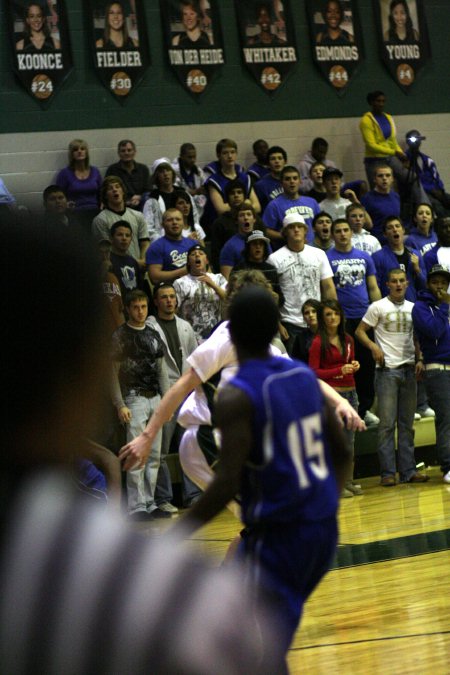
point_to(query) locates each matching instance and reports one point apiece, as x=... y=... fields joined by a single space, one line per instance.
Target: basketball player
x=285 y=454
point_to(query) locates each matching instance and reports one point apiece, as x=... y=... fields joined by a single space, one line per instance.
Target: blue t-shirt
x=169 y=253
x=289 y=475
x=350 y=272
x=423 y=244
x=280 y=207
x=379 y=206
x=232 y=251
x=268 y=188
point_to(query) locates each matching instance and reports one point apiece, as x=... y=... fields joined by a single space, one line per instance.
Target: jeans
x=396 y=393
x=352 y=397
x=141 y=483
x=437 y=383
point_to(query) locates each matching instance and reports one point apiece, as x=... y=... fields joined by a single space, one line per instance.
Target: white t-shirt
x=364 y=241
x=393 y=328
x=335 y=207
x=300 y=275
x=198 y=303
x=215 y=354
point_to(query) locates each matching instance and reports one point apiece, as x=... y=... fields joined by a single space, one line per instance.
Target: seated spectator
x=334 y=203
x=161 y=196
x=440 y=254
x=190 y=176
x=56 y=207
x=360 y=221
x=256 y=251
x=232 y=252
x=321 y=224
x=228 y=170
x=422 y=236
x=135 y=176
x=124 y=266
x=214 y=166
x=182 y=201
x=426 y=170
x=113 y=198
x=382 y=201
x=269 y=186
x=318 y=191
x=81 y=183
x=166 y=257
x=318 y=153
x=200 y=294
x=259 y=168
x=396 y=255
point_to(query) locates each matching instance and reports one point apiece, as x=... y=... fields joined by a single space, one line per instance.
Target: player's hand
x=134 y=454
x=348 y=417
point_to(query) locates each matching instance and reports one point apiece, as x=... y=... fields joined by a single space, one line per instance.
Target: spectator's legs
x=406 y=407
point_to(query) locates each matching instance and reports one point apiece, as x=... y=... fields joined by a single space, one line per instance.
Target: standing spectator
x=289 y=202
x=395 y=378
x=179 y=341
x=318 y=153
x=124 y=266
x=110 y=288
x=431 y=324
x=382 y=201
x=135 y=176
x=166 y=257
x=56 y=207
x=113 y=198
x=356 y=286
x=259 y=168
x=190 y=176
x=231 y=253
x=333 y=203
x=81 y=183
x=139 y=380
x=200 y=294
x=225 y=226
x=321 y=224
x=440 y=254
x=182 y=201
x=332 y=357
x=394 y=255
x=254 y=257
x=310 y=311
x=422 y=237
x=304 y=273
x=269 y=186
x=360 y=221
x=380 y=140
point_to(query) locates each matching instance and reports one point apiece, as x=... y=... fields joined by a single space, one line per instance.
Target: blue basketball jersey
x=289 y=474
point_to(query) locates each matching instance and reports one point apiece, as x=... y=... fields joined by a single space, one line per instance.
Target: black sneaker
x=158 y=513
x=140 y=516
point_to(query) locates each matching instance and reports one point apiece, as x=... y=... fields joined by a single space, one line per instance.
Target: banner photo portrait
x=119 y=44
x=404 y=41
x=193 y=41
x=267 y=40
x=39 y=37
x=336 y=39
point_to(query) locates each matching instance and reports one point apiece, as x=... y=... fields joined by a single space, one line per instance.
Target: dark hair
x=336 y=2
x=246 y=252
x=254 y=317
x=26 y=27
x=372 y=95
x=51 y=190
x=289 y=168
x=109 y=180
x=319 y=142
x=314 y=164
x=185 y=147
x=255 y=143
x=125 y=142
x=233 y=185
x=324 y=339
x=312 y=302
x=246 y=207
x=160 y=286
x=339 y=221
x=277 y=149
x=389 y=219
x=159 y=168
x=439 y=223
x=225 y=143
x=392 y=33
x=120 y=223
x=107 y=29
x=135 y=294
x=182 y=194
x=320 y=215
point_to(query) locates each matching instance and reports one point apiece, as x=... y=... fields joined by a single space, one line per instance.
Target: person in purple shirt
x=259 y=168
x=166 y=257
x=422 y=236
x=232 y=251
x=81 y=182
x=287 y=203
x=269 y=187
x=382 y=201
x=440 y=254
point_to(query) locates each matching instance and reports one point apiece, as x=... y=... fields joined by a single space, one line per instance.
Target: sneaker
x=419 y=478
x=446 y=477
x=417 y=416
x=370 y=419
x=140 y=516
x=353 y=488
x=159 y=513
x=346 y=493
x=168 y=507
x=388 y=481
x=428 y=412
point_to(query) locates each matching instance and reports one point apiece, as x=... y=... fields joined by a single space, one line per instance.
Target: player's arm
x=234 y=417
x=136 y=452
x=345 y=414
x=341 y=452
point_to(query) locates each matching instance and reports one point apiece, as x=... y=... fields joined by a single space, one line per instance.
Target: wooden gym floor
x=384 y=607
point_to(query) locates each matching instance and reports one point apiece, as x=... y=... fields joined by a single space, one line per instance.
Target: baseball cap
x=256 y=235
x=438 y=269
x=332 y=171
x=158 y=162
x=293 y=219
x=196 y=247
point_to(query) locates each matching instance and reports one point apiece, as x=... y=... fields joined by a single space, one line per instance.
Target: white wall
x=28 y=162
